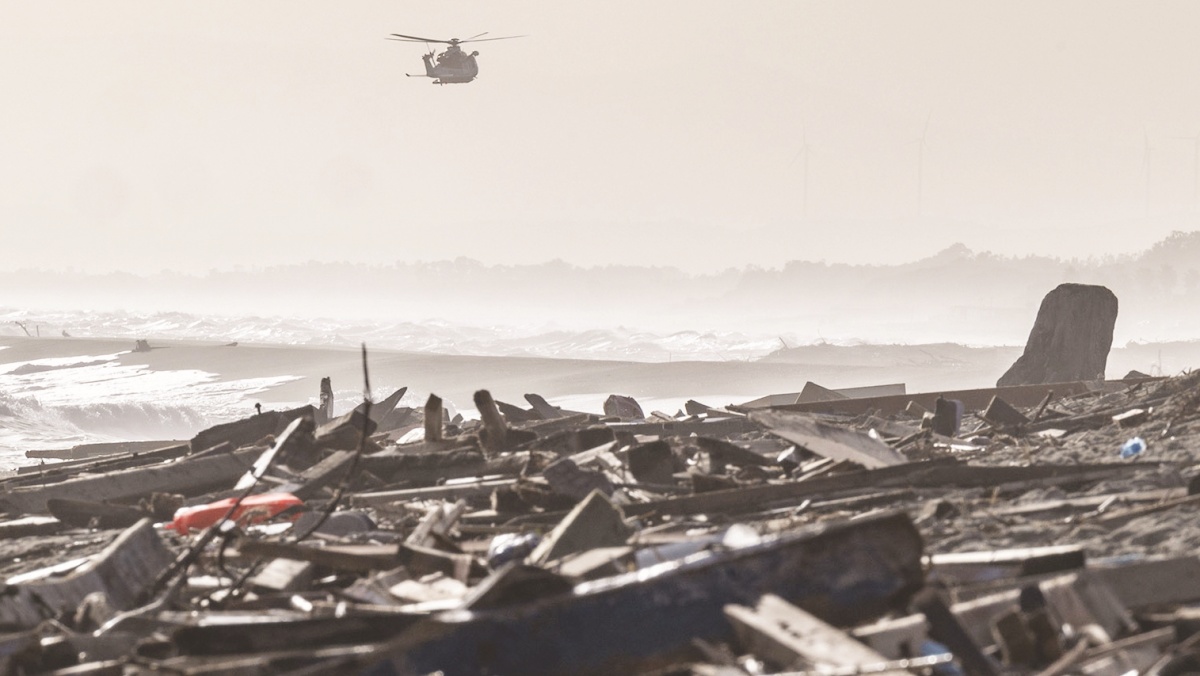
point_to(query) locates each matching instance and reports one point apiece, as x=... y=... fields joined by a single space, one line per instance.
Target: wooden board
x=788 y=636
x=829 y=441
x=187 y=476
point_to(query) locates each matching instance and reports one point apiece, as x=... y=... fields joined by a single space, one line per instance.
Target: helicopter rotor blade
x=477 y=36
x=508 y=37
x=413 y=38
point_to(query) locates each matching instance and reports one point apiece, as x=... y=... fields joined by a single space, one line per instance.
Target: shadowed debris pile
x=1047 y=529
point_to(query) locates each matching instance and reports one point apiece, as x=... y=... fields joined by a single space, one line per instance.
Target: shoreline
x=455 y=377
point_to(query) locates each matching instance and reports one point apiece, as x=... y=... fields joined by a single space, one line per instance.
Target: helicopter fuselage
x=453 y=66
x=459 y=70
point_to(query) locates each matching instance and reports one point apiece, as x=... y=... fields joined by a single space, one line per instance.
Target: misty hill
x=955 y=295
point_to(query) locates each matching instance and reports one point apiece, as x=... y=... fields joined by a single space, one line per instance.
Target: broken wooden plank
x=345 y=433
x=1130 y=418
x=652 y=463
x=945 y=627
x=894 y=637
x=711 y=427
x=543 y=407
x=788 y=636
x=830 y=441
x=1118 y=516
x=433 y=418
x=973 y=400
x=494 y=435
x=259 y=468
x=970 y=567
x=123 y=571
x=249 y=430
x=29 y=526
x=425 y=560
x=1153 y=582
x=88 y=514
x=311 y=481
x=252 y=636
x=942 y=473
x=283 y=575
x=595 y=522
x=623 y=407
x=383 y=409
x=813 y=392
x=516 y=415
x=1002 y=413
x=1151 y=643
x=46 y=472
x=448 y=492
x=1082 y=600
x=190 y=476
x=393 y=465
x=95 y=450
x=566 y=478
x=355 y=558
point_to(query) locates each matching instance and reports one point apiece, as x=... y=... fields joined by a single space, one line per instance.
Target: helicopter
x=453 y=66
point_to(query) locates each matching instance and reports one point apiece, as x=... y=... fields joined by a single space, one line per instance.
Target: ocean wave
x=430 y=336
x=33 y=424
x=61 y=402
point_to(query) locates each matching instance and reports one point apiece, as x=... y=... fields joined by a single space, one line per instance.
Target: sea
x=58 y=403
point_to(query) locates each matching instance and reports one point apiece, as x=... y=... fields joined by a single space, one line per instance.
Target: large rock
x=1070 y=339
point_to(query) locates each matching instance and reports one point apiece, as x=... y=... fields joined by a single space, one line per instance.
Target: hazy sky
x=147 y=135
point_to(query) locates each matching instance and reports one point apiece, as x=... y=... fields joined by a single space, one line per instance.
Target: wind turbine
x=921 y=162
x=1146 y=165
x=803 y=152
x=1195 y=166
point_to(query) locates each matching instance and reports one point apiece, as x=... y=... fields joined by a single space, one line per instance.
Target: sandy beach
x=64 y=391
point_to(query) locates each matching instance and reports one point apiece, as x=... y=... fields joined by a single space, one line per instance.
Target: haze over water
x=143 y=136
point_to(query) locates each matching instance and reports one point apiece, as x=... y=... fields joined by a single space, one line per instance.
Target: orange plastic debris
x=254 y=509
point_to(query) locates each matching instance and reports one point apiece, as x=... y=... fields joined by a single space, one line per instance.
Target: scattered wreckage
x=1035 y=528
x=841 y=535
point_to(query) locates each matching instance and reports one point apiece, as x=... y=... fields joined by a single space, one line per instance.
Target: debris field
x=1047 y=529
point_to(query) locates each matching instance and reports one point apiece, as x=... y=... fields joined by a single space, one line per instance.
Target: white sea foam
x=60 y=402
x=433 y=336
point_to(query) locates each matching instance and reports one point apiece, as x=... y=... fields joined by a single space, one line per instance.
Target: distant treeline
x=956 y=294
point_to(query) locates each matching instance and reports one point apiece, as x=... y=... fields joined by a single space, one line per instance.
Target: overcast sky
x=150 y=135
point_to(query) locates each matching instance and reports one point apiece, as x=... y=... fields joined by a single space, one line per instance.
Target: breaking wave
x=56 y=403
x=27 y=423
x=431 y=337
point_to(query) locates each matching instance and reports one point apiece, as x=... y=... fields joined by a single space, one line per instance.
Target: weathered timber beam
x=930 y=474
x=843 y=573
x=189 y=476
x=786 y=635
x=356 y=558
x=451 y=492
x=973 y=400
